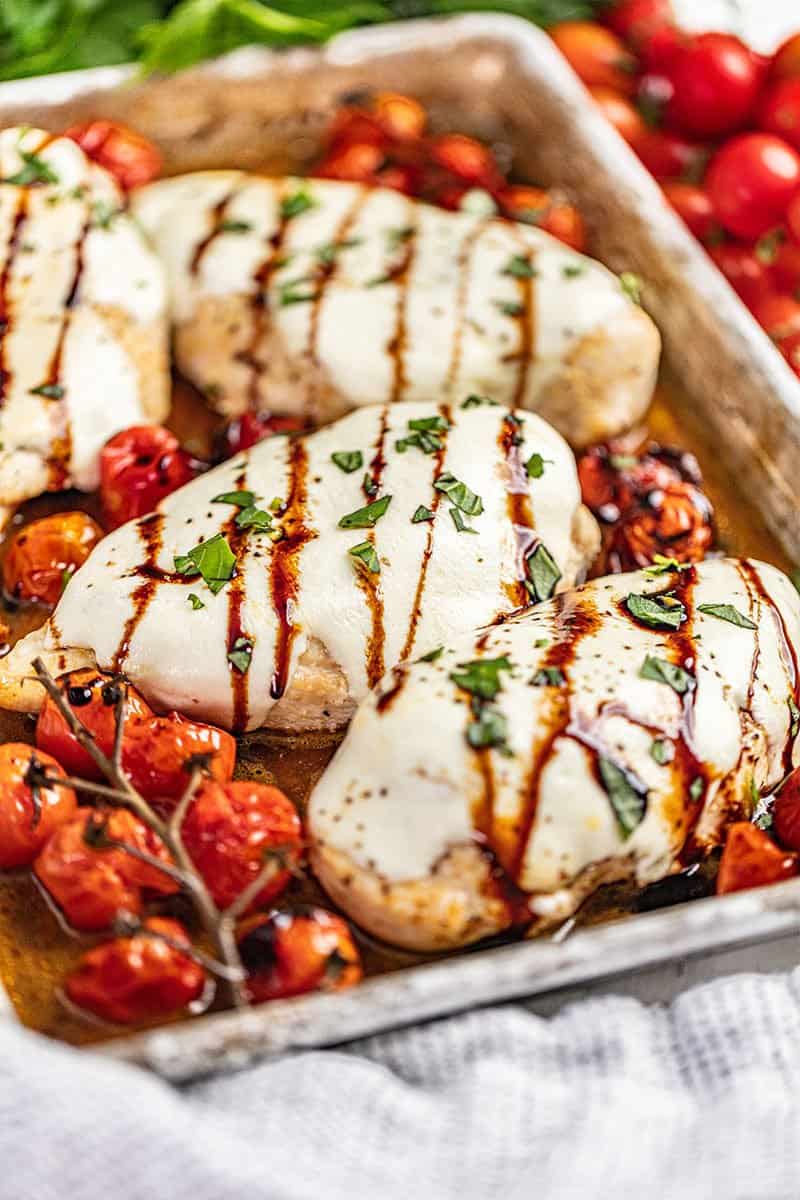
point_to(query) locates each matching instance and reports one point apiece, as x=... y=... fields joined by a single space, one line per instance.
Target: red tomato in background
x=751 y=181
x=287 y=954
x=779 y=316
x=745 y=272
x=779 y=111
x=637 y=21
x=249 y=429
x=793 y=218
x=467 y=159
x=716 y=80
x=786 y=60
x=401 y=117
x=129 y=156
x=671 y=156
x=659 y=51
x=356 y=161
x=228 y=830
x=92 y=696
x=751 y=859
x=29 y=813
x=43 y=555
x=693 y=205
x=597 y=56
x=139 y=467
x=534 y=206
x=785 y=266
x=156 y=749
x=616 y=108
x=786 y=812
x=137 y=978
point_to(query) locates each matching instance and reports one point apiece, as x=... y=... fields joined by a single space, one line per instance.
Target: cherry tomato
x=596 y=55
x=43 y=556
x=548 y=212
x=228 y=832
x=637 y=21
x=793 y=217
x=250 y=428
x=661 y=48
x=745 y=272
x=786 y=812
x=676 y=522
x=779 y=111
x=352 y=125
x=131 y=158
x=779 y=316
x=357 y=162
x=716 y=79
x=751 y=859
x=29 y=810
x=155 y=751
x=91 y=883
x=693 y=206
x=785 y=265
x=403 y=179
x=671 y=156
x=751 y=181
x=617 y=109
x=786 y=61
x=467 y=159
x=402 y=117
x=137 y=978
x=286 y=954
x=139 y=467
x=92 y=697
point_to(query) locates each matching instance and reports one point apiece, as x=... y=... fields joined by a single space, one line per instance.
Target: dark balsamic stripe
x=150 y=531
x=285 y=562
x=397 y=346
x=370 y=583
x=462 y=296
x=236 y=591
x=259 y=302
x=518 y=506
x=6 y=317
x=217 y=216
x=327 y=270
x=527 y=331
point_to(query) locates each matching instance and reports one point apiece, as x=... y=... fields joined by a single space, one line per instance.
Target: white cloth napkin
x=699 y=1100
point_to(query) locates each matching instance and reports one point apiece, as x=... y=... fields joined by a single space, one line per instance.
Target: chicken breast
x=83 y=328
x=278 y=588
x=596 y=737
x=313 y=297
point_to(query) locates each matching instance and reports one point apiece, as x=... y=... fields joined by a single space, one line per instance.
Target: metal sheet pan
x=498 y=78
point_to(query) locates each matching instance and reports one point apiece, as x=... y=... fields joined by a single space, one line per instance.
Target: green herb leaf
x=662 y=750
x=296 y=204
x=543 y=573
x=396 y=237
x=696 y=787
x=477 y=401
x=293 y=292
x=195 y=600
x=235 y=226
x=662 y=671
x=241 y=655
x=459 y=522
x=242 y=499
x=369 y=485
x=213 y=560
x=488 y=730
x=549 y=677
x=727 y=612
x=481 y=677
x=366 y=557
x=427 y=423
x=572 y=270
x=428 y=443
x=365 y=518
x=535 y=466
x=432 y=655
x=520 y=267
x=662 y=565
x=794 y=717
x=459 y=494
x=656 y=611
x=328 y=253
x=33 y=170
x=510 y=308
x=632 y=286
x=348 y=460
x=422 y=514
x=52 y=391
x=254 y=518
x=627 y=800
x=104 y=213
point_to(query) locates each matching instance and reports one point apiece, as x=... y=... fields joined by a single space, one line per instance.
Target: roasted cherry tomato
x=676 y=522
x=693 y=206
x=139 y=467
x=402 y=117
x=785 y=265
x=131 y=158
x=352 y=125
x=751 y=859
x=90 y=881
x=617 y=109
x=779 y=111
x=30 y=810
x=671 y=156
x=138 y=978
x=156 y=751
x=247 y=430
x=716 y=80
x=229 y=831
x=357 y=162
x=786 y=812
x=751 y=181
x=288 y=953
x=793 y=217
x=93 y=698
x=42 y=556
x=638 y=21
x=747 y=274
x=779 y=316
x=467 y=159
x=786 y=60
x=549 y=212
x=596 y=55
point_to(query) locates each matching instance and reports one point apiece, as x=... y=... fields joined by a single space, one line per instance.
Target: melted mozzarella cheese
x=430 y=305
x=77 y=281
x=129 y=607
x=406 y=789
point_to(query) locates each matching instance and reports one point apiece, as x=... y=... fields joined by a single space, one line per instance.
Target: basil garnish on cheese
x=519 y=267
x=240 y=655
x=627 y=797
x=727 y=612
x=481 y=677
x=459 y=494
x=213 y=560
x=535 y=466
x=425 y=435
x=365 y=518
x=348 y=460
x=421 y=513
x=241 y=498
x=33 y=170
x=659 y=612
x=662 y=671
x=366 y=557
x=543 y=574
x=296 y=204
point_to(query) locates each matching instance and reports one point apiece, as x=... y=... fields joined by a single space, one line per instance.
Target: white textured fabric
x=696 y=1101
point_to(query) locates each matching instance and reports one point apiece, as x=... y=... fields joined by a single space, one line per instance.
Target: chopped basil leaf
x=369 y=484
x=794 y=715
x=103 y=214
x=623 y=462
x=662 y=565
x=481 y=677
x=520 y=267
x=348 y=460
x=696 y=787
x=239 y=657
x=662 y=750
x=240 y=498
x=422 y=514
x=535 y=466
x=459 y=522
x=52 y=391
x=488 y=730
x=543 y=573
x=572 y=270
x=632 y=286
x=327 y=254
x=760 y=812
x=432 y=655
x=459 y=494
x=628 y=801
x=299 y=202
x=428 y=443
x=510 y=308
x=662 y=671
x=367 y=557
x=540 y=643
x=396 y=237
x=656 y=611
x=235 y=227
x=476 y=401
x=549 y=677
x=365 y=518
x=727 y=612
x=195 y=600
x=213 y=560
x=292 y=292
x=275 y=504
x=33 y=170
x=427 y=423
x=255 y=518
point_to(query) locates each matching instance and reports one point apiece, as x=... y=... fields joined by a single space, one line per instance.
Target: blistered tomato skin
x=93 y=698
x=138 y=468
x=229 y=832
x=157 y=754
x=91 y=884
x=290 y=953
x=131 y=158
x=43 y=556
x=29 y=810
x=138 y=978
x=751 y=859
